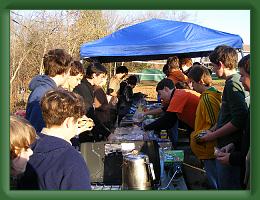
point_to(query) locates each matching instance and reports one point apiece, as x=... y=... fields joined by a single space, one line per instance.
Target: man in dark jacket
x=126 y=96
x=94 y=76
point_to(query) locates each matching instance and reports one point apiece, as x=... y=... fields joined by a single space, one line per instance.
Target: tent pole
x=242 y=53
x=110 y=71
x=115 y=69
x=109 y=75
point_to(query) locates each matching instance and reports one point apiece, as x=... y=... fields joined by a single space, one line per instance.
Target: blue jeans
x=211 y=171
x=173 y=134
x=228 y=176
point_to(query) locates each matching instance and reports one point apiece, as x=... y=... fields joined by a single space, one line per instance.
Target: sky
x=231 y=21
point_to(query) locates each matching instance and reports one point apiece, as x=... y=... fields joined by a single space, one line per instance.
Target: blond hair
x=22 y=134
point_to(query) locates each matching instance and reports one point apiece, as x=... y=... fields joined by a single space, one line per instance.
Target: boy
x=233 y=113
x=95 y=75
x=175 y=74
x=113 y=90
x=180 y=103
x=114 y=83
x=126 y=96
x=57 y=165
x=206 y=117
x=185 y=65
x=22 y=135
x=57 y=64
x=226 y=155
x=77 y=72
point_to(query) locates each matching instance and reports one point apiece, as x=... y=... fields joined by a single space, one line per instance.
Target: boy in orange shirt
x=182 y=105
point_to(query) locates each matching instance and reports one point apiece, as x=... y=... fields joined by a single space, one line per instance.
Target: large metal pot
x=137 y=172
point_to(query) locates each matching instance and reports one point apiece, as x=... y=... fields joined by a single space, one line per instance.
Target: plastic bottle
x=161 y=152
x=163 y=134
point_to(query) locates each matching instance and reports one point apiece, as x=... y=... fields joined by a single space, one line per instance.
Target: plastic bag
x=138 y=116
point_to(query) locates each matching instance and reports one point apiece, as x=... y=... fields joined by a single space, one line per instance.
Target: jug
x=137 y=172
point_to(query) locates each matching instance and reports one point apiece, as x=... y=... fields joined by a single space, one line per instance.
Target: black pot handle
x=151 y=171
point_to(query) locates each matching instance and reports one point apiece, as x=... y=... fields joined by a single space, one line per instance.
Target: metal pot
x=137 y=172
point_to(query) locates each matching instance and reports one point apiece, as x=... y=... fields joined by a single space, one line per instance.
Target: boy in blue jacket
x=55 y=164
x=57 y=64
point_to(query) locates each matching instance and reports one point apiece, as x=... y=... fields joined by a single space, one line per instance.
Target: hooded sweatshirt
x=206 y=117
x=56 y=166
x=39 y=85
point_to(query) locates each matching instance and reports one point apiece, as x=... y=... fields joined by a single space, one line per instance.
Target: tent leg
x=115 y=69
x=242 y=53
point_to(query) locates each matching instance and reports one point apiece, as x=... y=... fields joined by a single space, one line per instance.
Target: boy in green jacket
x=233 y=113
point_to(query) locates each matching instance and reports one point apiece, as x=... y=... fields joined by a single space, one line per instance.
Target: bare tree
x=34 y=33
x=123 y=18
x=84 y=26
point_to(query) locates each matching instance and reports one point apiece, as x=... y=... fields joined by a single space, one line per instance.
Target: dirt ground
x=148 y=88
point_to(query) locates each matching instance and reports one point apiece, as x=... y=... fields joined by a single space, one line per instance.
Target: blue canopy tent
x=158 y=39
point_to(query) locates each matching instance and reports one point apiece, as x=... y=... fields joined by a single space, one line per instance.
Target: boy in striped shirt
x=206 y=117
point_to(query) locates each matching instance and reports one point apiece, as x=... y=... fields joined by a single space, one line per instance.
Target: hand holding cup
x=85 y=124
x=199 y=136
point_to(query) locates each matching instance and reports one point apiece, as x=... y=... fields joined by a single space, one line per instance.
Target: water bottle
x=161 y=152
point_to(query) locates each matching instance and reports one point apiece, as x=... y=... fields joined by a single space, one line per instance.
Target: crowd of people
x=67 y=106
x=219 y=122
x=70 y=105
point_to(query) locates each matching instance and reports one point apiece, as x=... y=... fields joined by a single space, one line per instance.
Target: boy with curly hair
x=56 y=164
